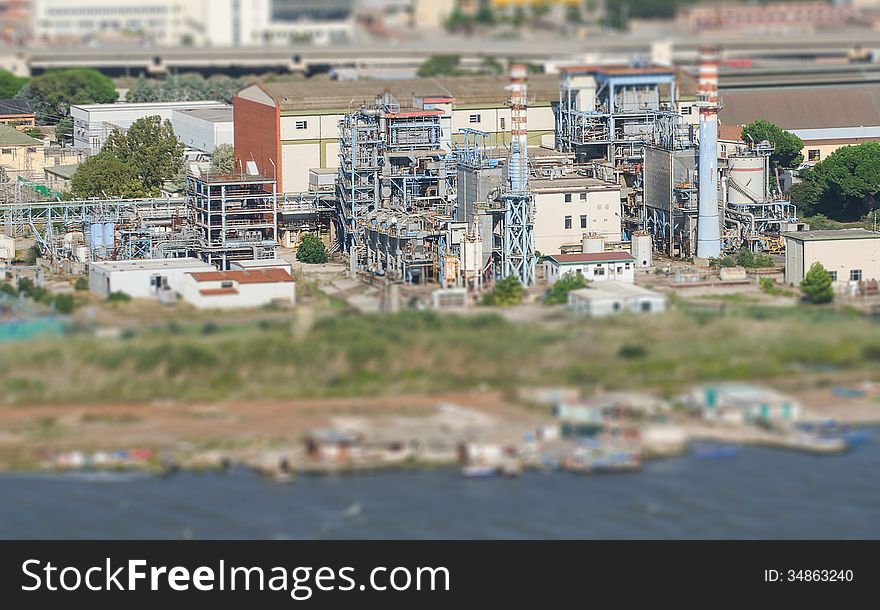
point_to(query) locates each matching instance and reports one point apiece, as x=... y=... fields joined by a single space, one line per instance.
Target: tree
x=10 y=84
x=439 y=65
x=106 y=176
x=311 y=250
x=184 y=88
x=507 y=292
x=845 y=186
x=223 y=159
x=150 y=147
x=787 y=147
x=558 y=294
x=52 y=93
x=816 y=285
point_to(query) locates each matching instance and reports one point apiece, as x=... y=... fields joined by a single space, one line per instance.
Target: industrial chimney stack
x=708 y=222
x=518 y=170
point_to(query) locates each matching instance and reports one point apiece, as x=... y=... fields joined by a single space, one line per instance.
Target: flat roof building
x=849 y=255
x=612 y=297
x=142 y=278
x=92 y=123
x=593 y=266
x=203 y=129
x=239 y=288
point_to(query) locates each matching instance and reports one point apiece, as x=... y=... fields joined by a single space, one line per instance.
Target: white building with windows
x=613 y=297
x=203 y=129
x=849 y=255
x=93 y=123
x=594 y=266
x=567 y=207
x=239 y=289
x=142 y=279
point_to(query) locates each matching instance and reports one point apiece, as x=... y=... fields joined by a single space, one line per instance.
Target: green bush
x=816 y=285
x=766 y=283
x=118 y=297
x=632 y=352
x=82 y=283
x=507 y=292
x=558 y=294
x=311 y=250
x=64 y=303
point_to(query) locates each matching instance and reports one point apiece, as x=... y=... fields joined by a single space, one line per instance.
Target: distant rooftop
x=147 y=105
x=10 y=136
x=212 y=115
x=65 y=171
x=245 y=276
x=592 y=257
x=570 y=182
x=833 y=234
x=15 y=107
x=613 y=288
x=474 y=90
x=805 y=107
x=156 y=264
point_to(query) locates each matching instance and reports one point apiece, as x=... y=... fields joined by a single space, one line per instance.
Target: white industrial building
x=7 y=248
x=93 y=123
x=238 y=289
x=203 y=129
x=741 y=403
x=569 y=206
x=593 y=266
x=612 y=297
x=849 y=255
x=142 y=278
x=194 y=22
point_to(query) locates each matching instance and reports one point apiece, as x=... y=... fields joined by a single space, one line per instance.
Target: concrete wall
x=247 y=296
x=200 y=134
x=601 y=208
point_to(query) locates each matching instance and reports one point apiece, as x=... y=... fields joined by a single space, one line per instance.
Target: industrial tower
x=708 y=220
x=518 y=258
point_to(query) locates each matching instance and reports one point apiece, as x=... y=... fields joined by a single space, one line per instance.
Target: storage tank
x=642 y=249
x=592 y=242
x=81 y=254
x=109 y=236
x=96 y=231
x=749 y=174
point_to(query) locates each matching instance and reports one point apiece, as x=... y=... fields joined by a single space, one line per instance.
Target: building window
x=833 y=275
x=855 y=275
x=619 y=270
x=502 y=123
x=225 y=284
x=568 y=222
x=646 y=305
x=813 y=154
x=583 y=221
x=583 y=196
x=302 y=124
x=474 y=118
x=599 y=270
x=687 y=109
x=568 y=198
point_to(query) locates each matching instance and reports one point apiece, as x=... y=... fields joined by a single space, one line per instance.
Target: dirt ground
x=30 y=435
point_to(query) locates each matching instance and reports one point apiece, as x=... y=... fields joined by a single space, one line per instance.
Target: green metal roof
x=65 y=171
x=9 y=136
x=832 y=234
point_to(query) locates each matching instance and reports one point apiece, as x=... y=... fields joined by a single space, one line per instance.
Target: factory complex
x=454 y=183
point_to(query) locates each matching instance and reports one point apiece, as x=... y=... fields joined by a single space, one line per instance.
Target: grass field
x=419 y=352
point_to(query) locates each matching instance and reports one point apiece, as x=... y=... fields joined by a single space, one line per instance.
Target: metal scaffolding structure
x=234 y=217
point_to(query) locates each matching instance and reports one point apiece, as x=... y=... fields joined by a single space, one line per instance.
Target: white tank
x=749 y=175
x=81 y=253
x=592 y=242
x=642 y=249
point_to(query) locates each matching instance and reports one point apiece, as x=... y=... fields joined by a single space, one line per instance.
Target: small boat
x=857 y=437
x=479 y=471
x=713 y=452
